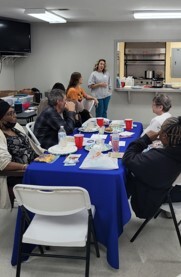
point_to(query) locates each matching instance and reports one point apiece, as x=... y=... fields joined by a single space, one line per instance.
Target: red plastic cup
x=26 y=105
x=129 y=124
x=79 y=140
x=122 y=84
x=100 y=121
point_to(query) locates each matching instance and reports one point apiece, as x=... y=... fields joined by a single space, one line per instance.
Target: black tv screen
x=15 y=37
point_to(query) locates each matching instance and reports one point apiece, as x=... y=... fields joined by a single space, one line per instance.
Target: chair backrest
x=42 y=106
x=30 y=129
x=51 y=200
x=88 y=104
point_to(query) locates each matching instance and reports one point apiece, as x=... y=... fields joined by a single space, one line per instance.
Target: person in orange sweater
x=76 y=93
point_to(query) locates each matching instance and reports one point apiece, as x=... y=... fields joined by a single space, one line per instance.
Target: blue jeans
x=101 y=109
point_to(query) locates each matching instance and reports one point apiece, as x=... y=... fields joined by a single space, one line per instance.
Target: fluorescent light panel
x=157 y=15
x=45 y=15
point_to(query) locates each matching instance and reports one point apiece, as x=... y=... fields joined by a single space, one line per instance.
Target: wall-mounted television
x=15 y=37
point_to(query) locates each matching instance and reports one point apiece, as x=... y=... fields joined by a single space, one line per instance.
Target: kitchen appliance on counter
x=157 y=83
x=149 y=74
x=142 y=82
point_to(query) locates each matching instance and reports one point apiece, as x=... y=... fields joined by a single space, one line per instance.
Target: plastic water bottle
x=62 y=137
x=129 y=81
x=115 y=141
x=18 y=106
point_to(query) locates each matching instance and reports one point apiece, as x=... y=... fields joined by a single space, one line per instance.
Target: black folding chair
x=169 y=206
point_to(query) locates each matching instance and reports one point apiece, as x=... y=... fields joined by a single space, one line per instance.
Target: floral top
x=20 y=148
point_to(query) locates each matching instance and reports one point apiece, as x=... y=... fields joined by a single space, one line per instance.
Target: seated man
x=151 y=173
x=59 y=113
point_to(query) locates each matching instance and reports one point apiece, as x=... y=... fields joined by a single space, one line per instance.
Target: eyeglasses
x=11 y=113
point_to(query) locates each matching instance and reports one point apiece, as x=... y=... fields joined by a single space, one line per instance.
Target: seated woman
x=76 y=93
x=161 y=104
x=16 y=150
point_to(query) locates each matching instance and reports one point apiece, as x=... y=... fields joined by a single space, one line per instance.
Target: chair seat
x=70 y=230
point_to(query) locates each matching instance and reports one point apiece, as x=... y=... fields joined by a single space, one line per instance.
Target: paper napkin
x=100 y=162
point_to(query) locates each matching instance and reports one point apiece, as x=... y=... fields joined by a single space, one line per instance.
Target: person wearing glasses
x=16 y=149
x=58 y=113
x=161 y=105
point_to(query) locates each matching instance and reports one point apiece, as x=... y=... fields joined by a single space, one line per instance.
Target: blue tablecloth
x=106 y=189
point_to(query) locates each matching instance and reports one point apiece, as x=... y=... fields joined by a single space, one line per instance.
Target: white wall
x=58 y=50
x=7 y=75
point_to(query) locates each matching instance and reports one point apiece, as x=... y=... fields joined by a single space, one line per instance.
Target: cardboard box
x=23 y=99
x=4 y=93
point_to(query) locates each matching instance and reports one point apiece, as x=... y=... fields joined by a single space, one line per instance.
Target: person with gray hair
x=58 y=113
x=150 y=174
x=161 y=105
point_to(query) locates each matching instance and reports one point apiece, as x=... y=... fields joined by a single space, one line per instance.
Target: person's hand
x=70 y=106
x=104 y=85
x=96 y=101
x=152 y=135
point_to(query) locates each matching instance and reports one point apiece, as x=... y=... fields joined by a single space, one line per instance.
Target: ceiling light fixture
x=157 y=15
x=45 y=15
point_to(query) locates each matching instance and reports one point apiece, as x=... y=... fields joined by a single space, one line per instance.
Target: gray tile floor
x=155 y=253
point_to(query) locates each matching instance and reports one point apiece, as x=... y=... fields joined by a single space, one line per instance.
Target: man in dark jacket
x=151 y=173
x=58 y=113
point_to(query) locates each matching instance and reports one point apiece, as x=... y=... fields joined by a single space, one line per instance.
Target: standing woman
x=100 y=84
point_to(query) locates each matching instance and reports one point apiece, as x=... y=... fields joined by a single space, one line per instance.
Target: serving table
x=106 y=189
x=28 y=115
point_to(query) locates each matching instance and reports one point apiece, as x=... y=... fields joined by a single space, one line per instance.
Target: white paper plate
x=84 y=130
x=126 y=134
x=117 y=123
x=56 y=149
x=137 y=87
x=117 y=129
x=105 y=148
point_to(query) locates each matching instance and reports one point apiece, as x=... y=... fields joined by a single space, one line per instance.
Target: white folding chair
x=30 y=129
x=88 y=104
x=63 y=217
